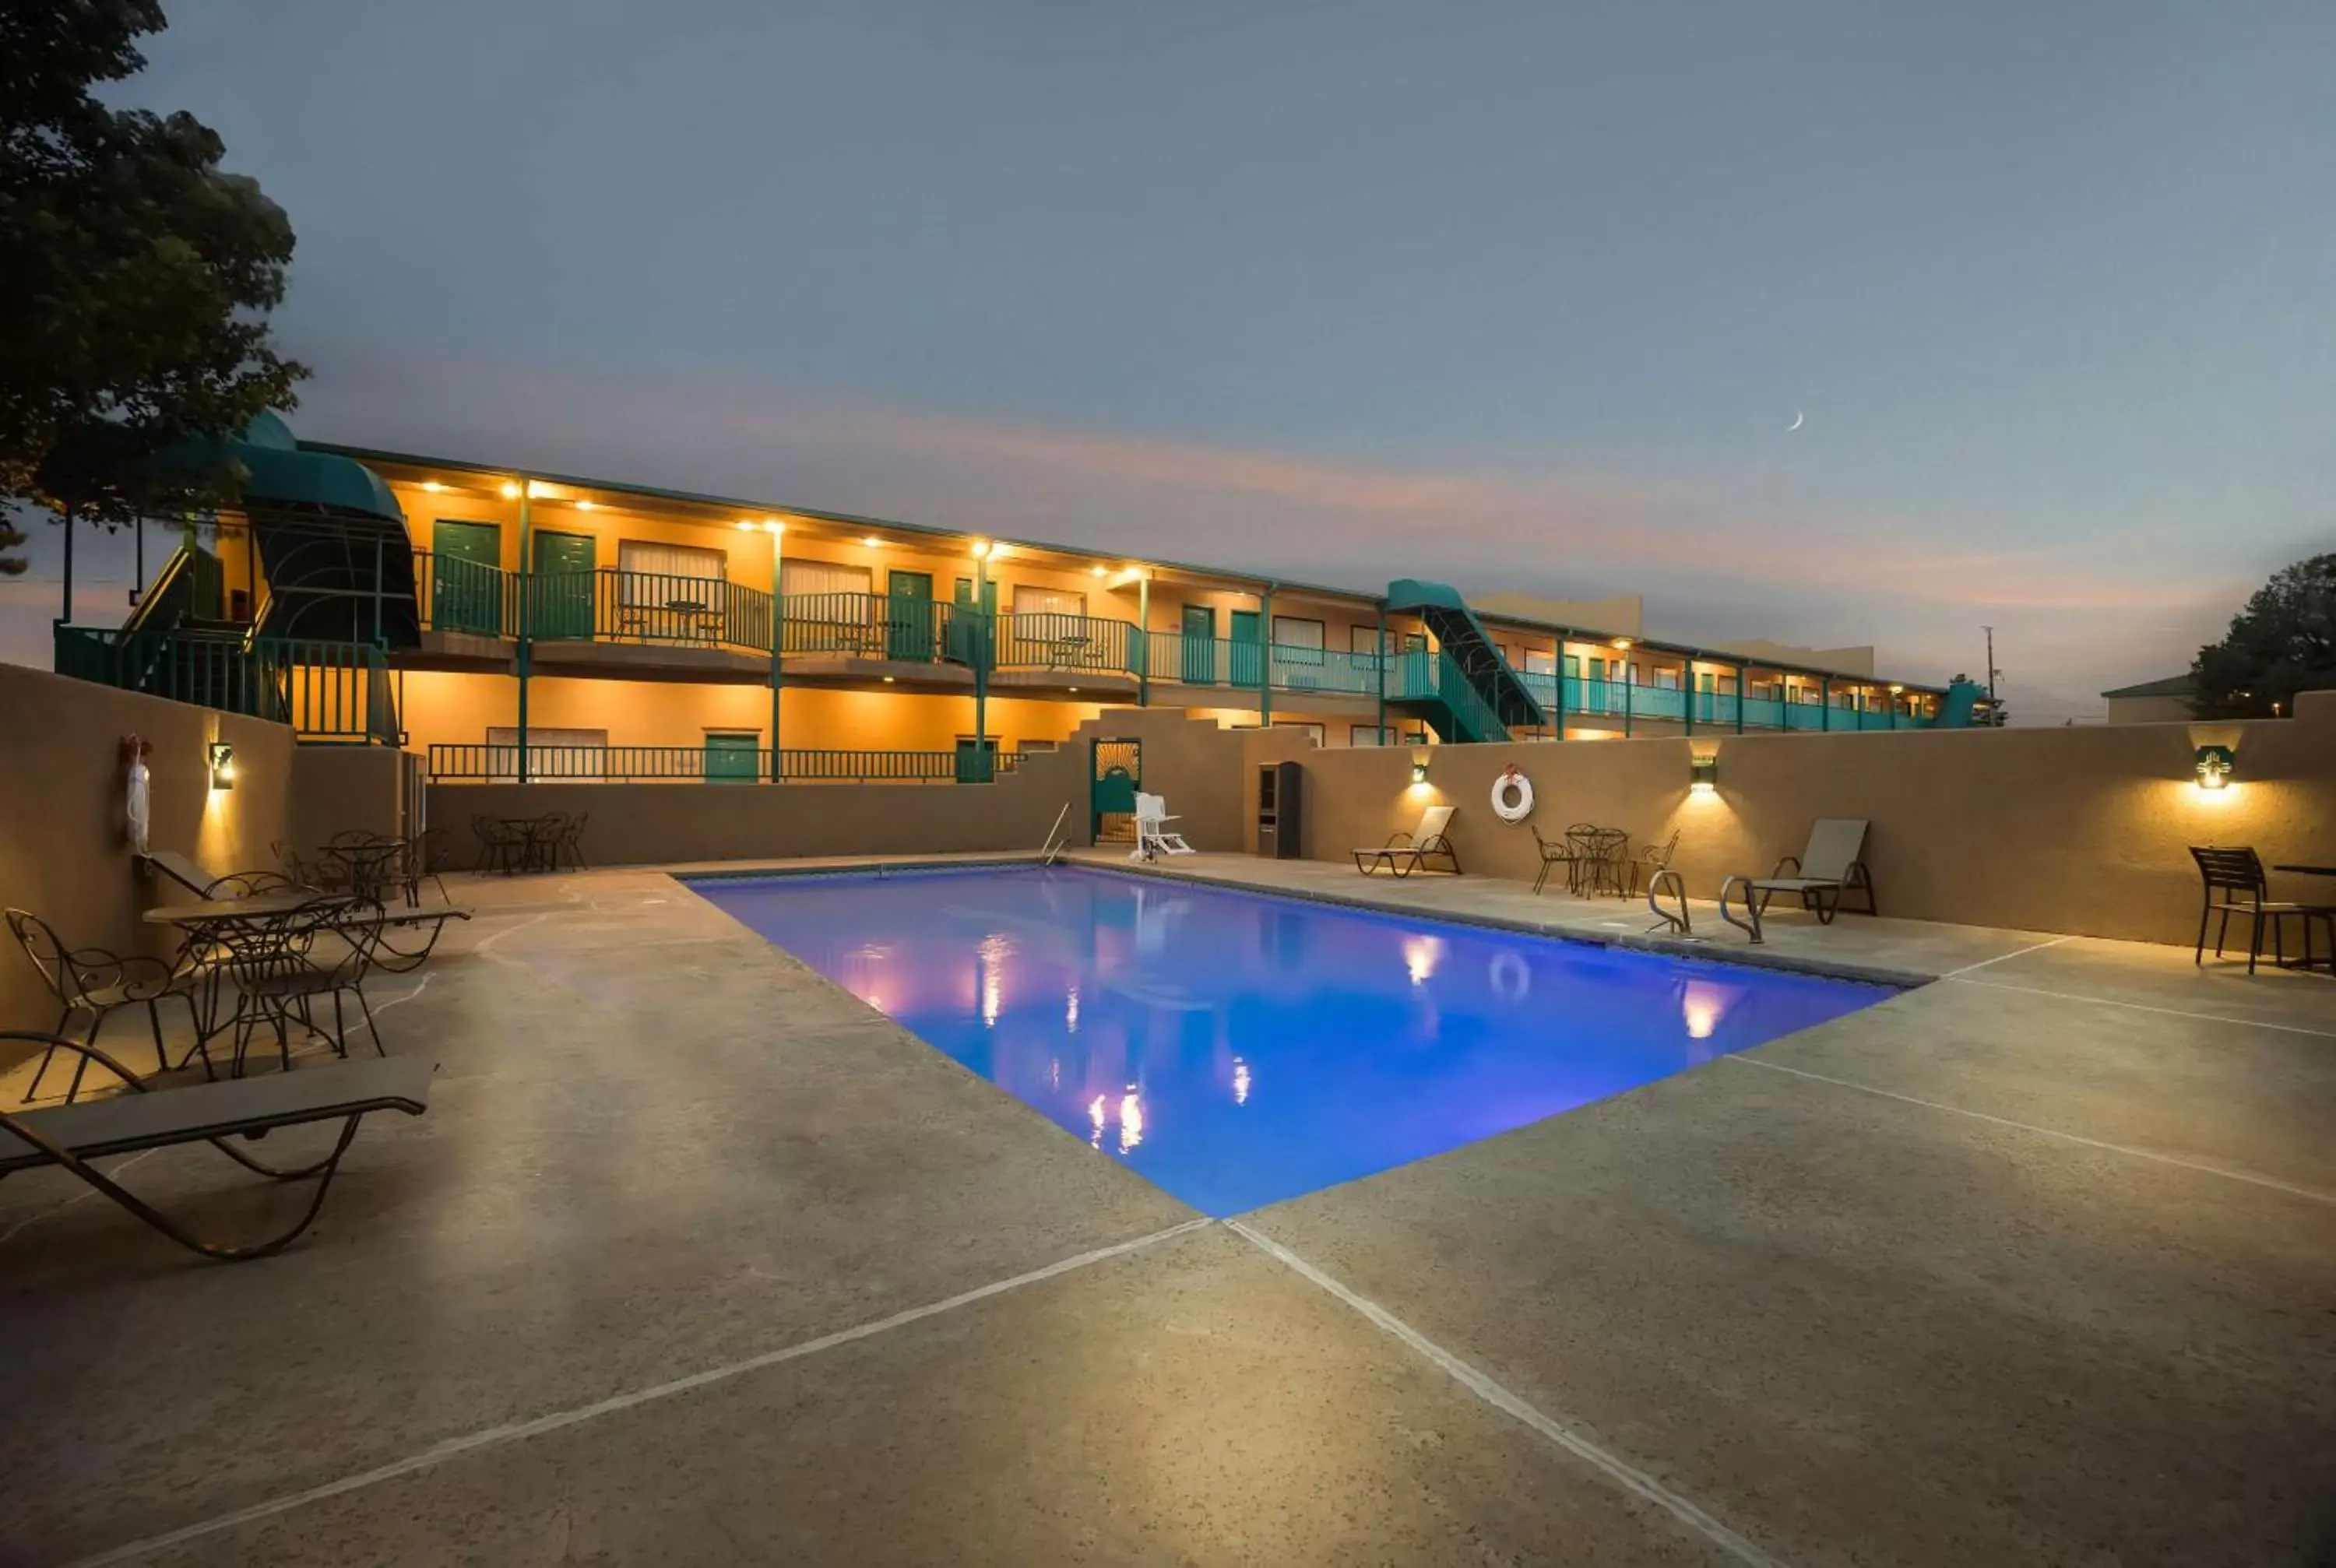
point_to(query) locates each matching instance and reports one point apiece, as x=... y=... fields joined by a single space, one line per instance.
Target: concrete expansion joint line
x=1999 y=957
x=2249 y=1177
x=1628 y=1477
x=1961 y=980
x=520 y=1431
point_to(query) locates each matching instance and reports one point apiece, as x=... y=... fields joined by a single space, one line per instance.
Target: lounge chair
x=1154 y=836
x=1404 y=853
x=73 y=1135
x=2237 y=876
x=1833 y=864
x=176 y=868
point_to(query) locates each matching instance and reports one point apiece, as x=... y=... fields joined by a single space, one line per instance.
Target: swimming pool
x=1238 y=1049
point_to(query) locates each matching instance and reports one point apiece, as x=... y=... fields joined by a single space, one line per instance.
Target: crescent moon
x=1797 y=417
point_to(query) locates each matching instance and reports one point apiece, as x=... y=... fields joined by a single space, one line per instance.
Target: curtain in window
x=660 y=575
x=1048 y=601
x=798 y=577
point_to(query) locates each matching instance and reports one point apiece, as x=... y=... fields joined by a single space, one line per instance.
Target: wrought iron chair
x=1553 y=855
x=96 y=981
x=569 y=842
x=501 y=846
x=1650 y=861
x=318 y=951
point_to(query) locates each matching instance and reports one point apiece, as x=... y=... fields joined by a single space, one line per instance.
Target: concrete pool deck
x=697 y=1259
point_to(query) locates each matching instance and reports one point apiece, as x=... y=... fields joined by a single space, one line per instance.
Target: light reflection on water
x=1238 y=1049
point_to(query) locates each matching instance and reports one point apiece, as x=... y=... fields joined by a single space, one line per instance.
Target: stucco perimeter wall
x=2078 y=831
x=343 y=789
x=1194 y=764
x=64 y=853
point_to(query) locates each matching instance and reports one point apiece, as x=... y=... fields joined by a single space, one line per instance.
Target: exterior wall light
x=872 y=542
x=981 y=548
x=1623 y=643
x=1703 y=775
x=221 y=758
x=2216 y=764
x=511 y=489
x=1418 y=768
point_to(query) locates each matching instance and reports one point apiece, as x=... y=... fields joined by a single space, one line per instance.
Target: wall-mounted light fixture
x=1703 y=775
x=2216 y=764
x=1418 y=768
x=220 y=755
x=1623 y=643
x=583 y=506
x=511 y=489
x=871 y=543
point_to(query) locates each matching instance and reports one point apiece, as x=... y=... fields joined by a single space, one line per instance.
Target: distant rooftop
x=2172 y=686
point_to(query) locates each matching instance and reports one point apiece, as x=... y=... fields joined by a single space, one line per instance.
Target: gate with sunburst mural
x=1116 y=773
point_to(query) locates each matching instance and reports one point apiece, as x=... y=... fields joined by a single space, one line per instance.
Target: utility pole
x=1992 y=711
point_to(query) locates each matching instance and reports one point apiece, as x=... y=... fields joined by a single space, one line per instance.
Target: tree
x=135 y=274
x=2282 y=643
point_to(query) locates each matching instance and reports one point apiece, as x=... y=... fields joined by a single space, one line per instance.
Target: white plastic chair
x=1154 y=837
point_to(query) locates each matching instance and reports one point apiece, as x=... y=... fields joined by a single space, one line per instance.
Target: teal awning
x=279 y=474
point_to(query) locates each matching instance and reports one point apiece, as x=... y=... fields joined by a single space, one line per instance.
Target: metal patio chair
x=284 y=967
x=570 y=842
x=96 y=981
x=1553 y=855
x=2236 y=875
x=72 y=1136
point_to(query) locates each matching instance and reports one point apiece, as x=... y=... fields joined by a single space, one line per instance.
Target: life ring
x=1513 y=796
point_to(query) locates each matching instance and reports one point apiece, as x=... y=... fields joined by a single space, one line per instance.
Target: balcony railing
x=610 y=604
x=498 y=764
x=454 y=595
x=326 y=691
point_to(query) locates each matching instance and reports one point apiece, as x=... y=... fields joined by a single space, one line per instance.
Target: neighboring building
x=2153 y=701
x=628 y=632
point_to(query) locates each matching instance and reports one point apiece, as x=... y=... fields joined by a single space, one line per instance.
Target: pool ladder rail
x=1050 y=851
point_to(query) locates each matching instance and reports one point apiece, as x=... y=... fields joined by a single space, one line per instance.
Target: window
x=1048 y=601
x=667 y=590
x=1538 y=662
x=1366 y=735
x=809 y=577
x=1363 y=638
x=570 y=753
x=672 y=559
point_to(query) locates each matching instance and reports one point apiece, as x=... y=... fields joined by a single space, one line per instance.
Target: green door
x=1200 y=666
x=564 y=586
x=466 y=577
x=909 y=627
x=977 y=764
x=1249 y=649
x=966 y=630
x=735 y=758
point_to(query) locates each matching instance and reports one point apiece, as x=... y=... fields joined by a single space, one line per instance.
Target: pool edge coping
x=1659 y=946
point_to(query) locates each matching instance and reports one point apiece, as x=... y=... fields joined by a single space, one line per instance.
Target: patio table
x=239 y=931
x=367 y=863
x=539 y=835
x=2301 y=870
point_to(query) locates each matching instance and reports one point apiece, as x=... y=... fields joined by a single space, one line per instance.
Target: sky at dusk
x=1516 y=296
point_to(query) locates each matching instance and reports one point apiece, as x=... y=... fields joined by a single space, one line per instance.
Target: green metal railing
x=455 y=595
x=610 y=604
x=326 y=691
x=1070 y=644
x=880 y=627
x=491 y=762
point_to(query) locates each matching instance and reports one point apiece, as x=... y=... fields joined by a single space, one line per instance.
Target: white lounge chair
x=1833 y=864
x=1154 y=837
x=1404 y=853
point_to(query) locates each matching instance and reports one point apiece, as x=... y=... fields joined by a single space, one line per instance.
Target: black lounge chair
x=1834 y=864
x=245 y=1108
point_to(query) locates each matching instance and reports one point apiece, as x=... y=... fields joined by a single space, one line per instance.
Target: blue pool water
x=1238 y=1049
